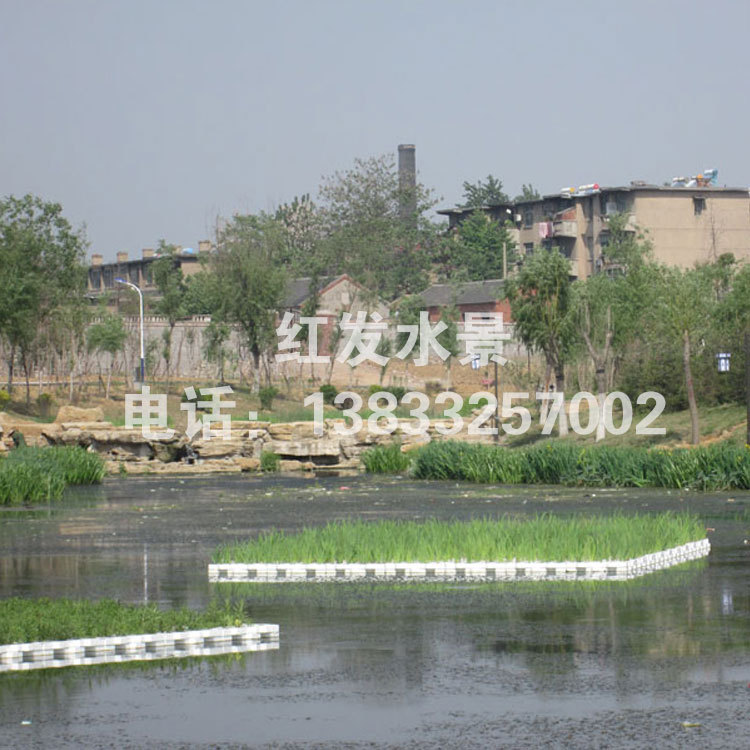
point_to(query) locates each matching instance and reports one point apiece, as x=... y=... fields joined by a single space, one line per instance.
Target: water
x=487 y=665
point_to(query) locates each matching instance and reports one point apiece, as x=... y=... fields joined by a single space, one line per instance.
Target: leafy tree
x=541 y=307
x=215 y=336
x=302 y=230
x=482 y=243
x=170 y=282
x=201 y=294
x=681 y=311
x=528 y=193
x=107 y=336
x=487 y=193
x=251 y=281
x=41 y=258
x=365 y=233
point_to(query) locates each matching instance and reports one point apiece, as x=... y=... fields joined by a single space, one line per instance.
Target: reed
x=721 y=466
x=27 y=620
x=386 y=459
x=541 y=538
x=32 y=475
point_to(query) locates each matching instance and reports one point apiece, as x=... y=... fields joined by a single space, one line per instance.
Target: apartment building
x=685 y=225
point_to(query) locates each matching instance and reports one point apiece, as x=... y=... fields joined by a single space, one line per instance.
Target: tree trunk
x=560 y=388
x=109 y=375
x=694 y=430
x=11 y=360
x=601 y=395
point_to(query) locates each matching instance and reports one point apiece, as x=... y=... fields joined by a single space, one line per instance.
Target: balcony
x=565 y=229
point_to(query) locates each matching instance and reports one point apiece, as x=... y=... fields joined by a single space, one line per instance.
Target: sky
x=147 y=120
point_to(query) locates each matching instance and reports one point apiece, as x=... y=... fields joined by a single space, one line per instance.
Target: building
x=686 y=225
x=101 y=276
x=468 y=297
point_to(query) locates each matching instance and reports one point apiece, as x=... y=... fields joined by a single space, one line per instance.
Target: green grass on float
x=542 y=538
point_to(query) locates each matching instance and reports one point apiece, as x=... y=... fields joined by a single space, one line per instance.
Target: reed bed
x=721 y=466
x=27 y=620
x=386 y=459
x=541 y=538
x=32 y=475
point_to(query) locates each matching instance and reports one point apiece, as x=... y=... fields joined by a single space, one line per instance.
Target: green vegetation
x=28 y=620
x=715 y=467
x=386 y=459
x=546 y=537
x=266 y=396
x=32 y=475
x=269 y=461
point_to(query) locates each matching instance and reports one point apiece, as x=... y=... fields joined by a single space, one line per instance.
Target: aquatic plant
x=544 y=538
x=715 y=467
x=30 y=475
x=26 y=620
x=386 y=459
x=269 y=461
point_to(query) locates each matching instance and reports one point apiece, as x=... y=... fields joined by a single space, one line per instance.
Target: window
x=133 y=273
x=528 y=218
x=699 y=205
x=109 y=277
x=528 y=247
x=95 y=278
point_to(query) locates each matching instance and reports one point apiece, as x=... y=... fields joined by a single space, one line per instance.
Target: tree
x=215 y=335
x=201 y=294
x=528 y=193
x=251 y=282
x=609 y=307
x=540 y=298
x=41 y=257
x=107 y=336
x=484 y=248
x=488 y=193
x=683 y=307
x=365 y=233
x=169 y=280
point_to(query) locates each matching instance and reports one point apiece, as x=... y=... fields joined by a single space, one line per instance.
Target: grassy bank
x=32 y=475
x=714 y=467
x=546 y=537
x=26 y=620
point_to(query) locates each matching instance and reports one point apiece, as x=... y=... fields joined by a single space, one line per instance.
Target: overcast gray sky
x=147 y=119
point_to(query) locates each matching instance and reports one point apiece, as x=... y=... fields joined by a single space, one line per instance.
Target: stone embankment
x=296 y=444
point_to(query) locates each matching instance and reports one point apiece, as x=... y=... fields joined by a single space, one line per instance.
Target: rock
x=292 y=430
x=216 y=447
x=247 y=463
x=76 y=414
x=305 y=448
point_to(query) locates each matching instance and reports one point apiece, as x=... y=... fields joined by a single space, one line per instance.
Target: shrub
x=4 y=398
x=329 y=393
x=269 y=461
x=266 y=396
x=198 y=398
x=44 y=403
x=397 y=390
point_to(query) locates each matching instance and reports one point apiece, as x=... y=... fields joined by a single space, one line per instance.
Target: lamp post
x=140 y=297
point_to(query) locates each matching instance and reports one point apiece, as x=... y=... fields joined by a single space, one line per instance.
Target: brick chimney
x=96 y=259
x=204 y=246
x=122 y=257
x=148 y=252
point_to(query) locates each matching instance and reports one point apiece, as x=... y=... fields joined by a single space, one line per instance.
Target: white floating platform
x=598 y=570
x=145 y=647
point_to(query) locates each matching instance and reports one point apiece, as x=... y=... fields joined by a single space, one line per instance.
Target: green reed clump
x=31 y=475
x=544 y=538
x=714 y=467
x=386 y=459
x=26 y=620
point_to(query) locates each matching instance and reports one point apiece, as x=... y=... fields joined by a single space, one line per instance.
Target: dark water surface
x=361 y=665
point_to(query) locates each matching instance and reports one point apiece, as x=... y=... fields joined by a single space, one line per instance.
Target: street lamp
x=140 y=296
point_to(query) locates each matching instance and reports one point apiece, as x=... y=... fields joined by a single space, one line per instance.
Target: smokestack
x=407 y=180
